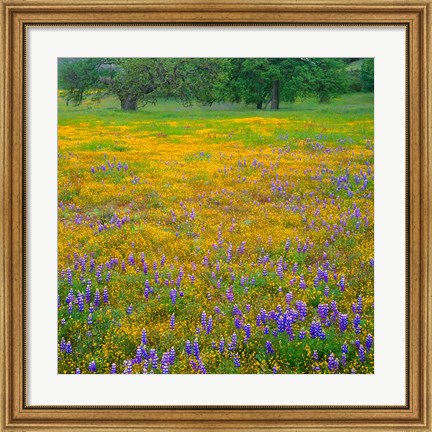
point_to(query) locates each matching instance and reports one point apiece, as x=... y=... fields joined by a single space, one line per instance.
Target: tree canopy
x=259 y=81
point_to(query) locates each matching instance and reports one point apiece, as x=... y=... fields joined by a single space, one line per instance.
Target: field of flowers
x=220 y=240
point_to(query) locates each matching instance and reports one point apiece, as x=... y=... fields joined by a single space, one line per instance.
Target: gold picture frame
x=17 y=15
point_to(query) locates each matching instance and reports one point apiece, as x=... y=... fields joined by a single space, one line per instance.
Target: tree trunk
x=128 y=103
x=275 y=95
x=324 y=99
x=259 y=105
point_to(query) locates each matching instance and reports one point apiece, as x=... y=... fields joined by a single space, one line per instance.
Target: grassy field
x=216 y=240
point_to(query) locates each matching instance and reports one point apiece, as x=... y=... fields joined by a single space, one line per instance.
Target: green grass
x=108 y=111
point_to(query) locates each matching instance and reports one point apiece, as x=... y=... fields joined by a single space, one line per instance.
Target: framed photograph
x=216 y=216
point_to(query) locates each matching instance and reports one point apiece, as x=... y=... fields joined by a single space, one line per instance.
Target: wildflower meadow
x=219 y=239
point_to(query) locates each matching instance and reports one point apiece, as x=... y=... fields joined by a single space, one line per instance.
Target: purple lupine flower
x=258 y=320
x=325 y=276
x=247 y=330
x=63 y=322
x=343 y=360
x=288 y=298
x=361 y=353
x=323 y=310
x=172 y=322
x=139 y=354
x=209 y=325
x=88 y=292
x=70 y=298
x=105 y=295
x=188 y=347
x=360 y=305
x=97 y=298
x=315 y=355
x=269 y=347
x=232 y=346
x=356 y=323
x=302 y=283
x=331 y=364
x=326 y=291
x=266 y=330
x=173 y=295
x=196 y=349
x=80 y=302
x=99 y=274
x=83 y=262
x=372 y=262
x=343 y=322
x=229 y=253
x=203 y=319
x=222 y=345
x=236 y=311
x=281 y=324
x=108 y=277
x=279 y=268
x=78 y=371
x=128 y=367
x=129 y=310
x=113 y=369
x=131 y=259
x=369 y=342
x=345 y=348
x=70 y=308
x=69 y=275
x=302 y=309
x=236 y=361
x=92 y=366
x=62 y=345
x=342 y=283
x=315 y=329
x=147 y=285
x=230 y=294
x=165 y=364
x=302 y=334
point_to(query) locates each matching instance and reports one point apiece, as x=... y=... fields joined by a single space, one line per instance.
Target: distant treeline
x=260 y=81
